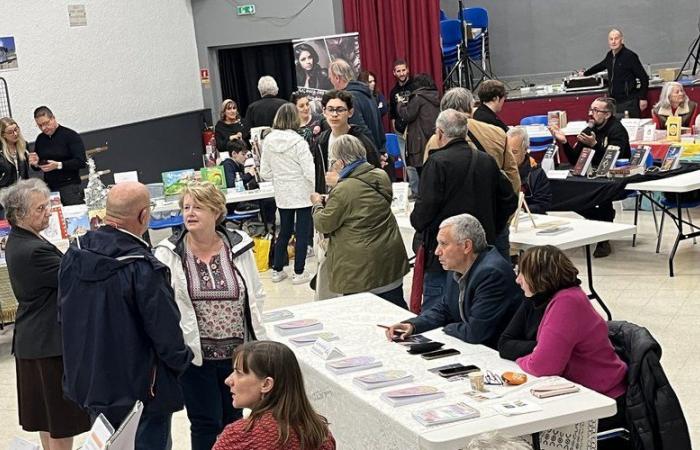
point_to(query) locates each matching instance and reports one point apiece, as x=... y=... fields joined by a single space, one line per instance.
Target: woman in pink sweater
x=572 y=338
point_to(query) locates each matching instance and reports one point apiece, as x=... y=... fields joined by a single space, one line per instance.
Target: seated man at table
x=533 y=180
x=488 y=295
x=603 y=130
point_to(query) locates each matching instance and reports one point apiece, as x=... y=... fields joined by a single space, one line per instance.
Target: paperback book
x=276 y=316
x=608 y=160
x=639 y=155
x=382 y=379
x=583 y=164
x=413 y=394
x=445 y=414
x=175 y=180
x=673 y=129
x=672 y=159
x=298 y=327
x=309 y=339
x=353 y=364
x=215 y=175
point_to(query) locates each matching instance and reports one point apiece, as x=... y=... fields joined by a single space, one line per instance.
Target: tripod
x=465 y=67
x=695 y=54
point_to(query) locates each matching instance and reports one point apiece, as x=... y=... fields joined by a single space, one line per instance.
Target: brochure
x=445 y=414
x=298 y=327
x=382 y=379
x=275 y=316
x=414 y=394
x=353 y=364
x=516 y=407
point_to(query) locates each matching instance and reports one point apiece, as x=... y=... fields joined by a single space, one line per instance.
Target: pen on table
x=383 y=326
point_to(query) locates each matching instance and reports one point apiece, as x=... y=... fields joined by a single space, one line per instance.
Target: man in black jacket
x=122 y=340
x=262 y=112
x=457 y=179
x=603 y=130
x=624 y=72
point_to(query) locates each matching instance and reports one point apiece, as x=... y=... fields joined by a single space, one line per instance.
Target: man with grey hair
x=457 y=179
x=342 y=76
x=534 y=181
x=261 y=113
x=488 y=295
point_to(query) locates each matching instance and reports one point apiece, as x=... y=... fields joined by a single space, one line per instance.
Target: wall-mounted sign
x=77 y=17
x=8 y=53
x=204 y=76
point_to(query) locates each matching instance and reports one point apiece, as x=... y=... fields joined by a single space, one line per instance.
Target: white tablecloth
x=361 y=420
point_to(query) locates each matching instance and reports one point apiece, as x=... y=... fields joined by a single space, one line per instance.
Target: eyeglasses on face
x=10 y=132
x=338 y=110
x=596 y=110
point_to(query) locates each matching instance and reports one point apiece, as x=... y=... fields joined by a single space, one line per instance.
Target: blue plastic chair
x=443 y=16
x=393 y=150
x=451 y=36
x=477 y=47
x=170 y=222
x=534 y=120
x=538 y=144
x=477 y=16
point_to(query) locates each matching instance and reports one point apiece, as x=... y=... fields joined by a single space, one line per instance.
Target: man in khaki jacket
x=483 y=136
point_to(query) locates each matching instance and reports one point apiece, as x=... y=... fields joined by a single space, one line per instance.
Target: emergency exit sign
x=245 y=10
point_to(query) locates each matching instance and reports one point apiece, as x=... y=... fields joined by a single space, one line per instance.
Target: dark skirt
x=40 y=399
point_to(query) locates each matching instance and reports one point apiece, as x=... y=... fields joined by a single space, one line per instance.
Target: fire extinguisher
x=210 y=152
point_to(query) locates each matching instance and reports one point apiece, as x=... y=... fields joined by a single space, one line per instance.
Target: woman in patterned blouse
x=216 y=287
x=267 y=379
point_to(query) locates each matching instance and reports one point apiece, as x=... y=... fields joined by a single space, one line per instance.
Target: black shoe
x=602 y=250
x=246 y=208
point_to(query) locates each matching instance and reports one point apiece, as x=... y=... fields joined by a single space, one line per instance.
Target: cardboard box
x=669 y=74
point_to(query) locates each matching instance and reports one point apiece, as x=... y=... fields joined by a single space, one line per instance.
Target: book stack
x=353 y=364
x=309 y=339
x=445 y=414
x=382 y=379
x=298 y=327
x=583 y=164
x=557 y=119
x=414 y=394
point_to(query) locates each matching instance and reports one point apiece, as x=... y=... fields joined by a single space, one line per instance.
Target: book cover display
x=673 y=158
x=215 y=175
x=175 y=180
x=608 y=160
x=583 y=164
x=673 y=129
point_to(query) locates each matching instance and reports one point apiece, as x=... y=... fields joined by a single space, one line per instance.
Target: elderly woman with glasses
x=32 y=264
x=217 y=290
x=365 y=249
x=230 y=125
x=14 y=160
x=674 y=102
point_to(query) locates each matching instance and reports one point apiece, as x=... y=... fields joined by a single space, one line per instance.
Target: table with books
x=343 y=353
x=675 y=186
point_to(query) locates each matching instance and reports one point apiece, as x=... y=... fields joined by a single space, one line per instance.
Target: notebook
x=445 y=414
x=382 y=379
x=298 y=327
x=353 y=364
x=413 y=394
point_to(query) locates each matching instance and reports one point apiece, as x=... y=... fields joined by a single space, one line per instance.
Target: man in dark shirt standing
x=399 y=94
x=59 y=152
x=492 y=94
x=624 y=70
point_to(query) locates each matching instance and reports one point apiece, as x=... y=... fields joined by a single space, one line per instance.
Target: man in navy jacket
x=488 y=295
x=122 y=340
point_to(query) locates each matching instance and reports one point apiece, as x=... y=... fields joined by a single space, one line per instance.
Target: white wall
x=135 y=60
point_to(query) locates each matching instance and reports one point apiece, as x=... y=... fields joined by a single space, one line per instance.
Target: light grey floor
x=634 y=282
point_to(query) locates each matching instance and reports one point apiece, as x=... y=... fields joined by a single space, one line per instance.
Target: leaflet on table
x=326 y=350
x=413 y=394
x=276 y=316
x=353 y=364
x=298 y=327
x=382 y=379
x=516 y=407
x=445 y=414
x=309 y=339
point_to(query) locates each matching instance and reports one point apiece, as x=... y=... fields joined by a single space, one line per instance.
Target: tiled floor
x=634 y=282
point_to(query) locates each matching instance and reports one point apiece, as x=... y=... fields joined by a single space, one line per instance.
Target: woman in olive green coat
x=365 y=250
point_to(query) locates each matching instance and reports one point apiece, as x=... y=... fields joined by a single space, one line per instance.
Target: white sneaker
x=278 y=276
x=301 y=278
x=309 y=252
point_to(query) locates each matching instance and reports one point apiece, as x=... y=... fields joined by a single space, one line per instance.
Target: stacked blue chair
x=443 y=16
x=451 y=36
x=393 y=150
x=478 y=46
x=537 y=144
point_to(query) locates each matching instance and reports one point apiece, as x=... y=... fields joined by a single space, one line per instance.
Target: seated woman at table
x=674 y=102
x=267 y=379
x=230 y=125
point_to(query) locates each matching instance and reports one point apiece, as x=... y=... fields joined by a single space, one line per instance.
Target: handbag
x=261 y=250
x=416 y=299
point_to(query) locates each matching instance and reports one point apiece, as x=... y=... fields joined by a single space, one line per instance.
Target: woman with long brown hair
x=267 y=379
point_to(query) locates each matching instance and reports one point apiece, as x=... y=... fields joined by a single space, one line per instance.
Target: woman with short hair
x=288 y=163
x=674 y=102
x=32 y=265
x=365 y=249
x=219 y=295
x=267 y=379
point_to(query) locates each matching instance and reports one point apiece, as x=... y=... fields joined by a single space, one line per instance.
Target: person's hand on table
x=50 y=165
x=332 y=178
x=402 y=329
x=316 y=198
x=643 y=105
x=557 y=134
x=587 y=139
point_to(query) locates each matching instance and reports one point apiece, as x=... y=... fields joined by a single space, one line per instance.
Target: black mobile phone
x=440 y=353
x=446 y=373
x=43 y=162
x=418 y=349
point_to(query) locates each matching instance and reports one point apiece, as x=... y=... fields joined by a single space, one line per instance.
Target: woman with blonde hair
x=14 y=164
x=267 y=379
x=230 y=126
x=218 y=293
x=674 y=102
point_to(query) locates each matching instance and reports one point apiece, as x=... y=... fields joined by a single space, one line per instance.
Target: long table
x=361 y=420
x=678 y=185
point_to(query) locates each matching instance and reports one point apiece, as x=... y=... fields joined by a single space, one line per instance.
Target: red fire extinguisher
x=210 y=152
x=208 y=138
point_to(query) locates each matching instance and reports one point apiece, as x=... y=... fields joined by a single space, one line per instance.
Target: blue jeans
x=208 y=401
x=287 y=226
x=502 y=243
x=433 y=288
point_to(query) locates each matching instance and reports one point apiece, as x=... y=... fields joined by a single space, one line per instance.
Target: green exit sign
x=245 y=10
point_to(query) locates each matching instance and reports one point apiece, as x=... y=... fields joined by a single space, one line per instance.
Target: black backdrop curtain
x=240 y=68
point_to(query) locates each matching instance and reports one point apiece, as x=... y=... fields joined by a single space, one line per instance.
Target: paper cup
x=477 y=381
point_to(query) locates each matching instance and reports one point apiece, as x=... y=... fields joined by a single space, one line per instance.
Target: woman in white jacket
x=219 y=295
x=287 y=162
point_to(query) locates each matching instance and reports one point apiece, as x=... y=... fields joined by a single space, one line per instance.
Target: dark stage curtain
x=391 y=29
x=240 y=68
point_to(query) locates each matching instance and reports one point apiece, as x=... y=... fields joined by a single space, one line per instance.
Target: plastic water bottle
x=239 y=183
x=627 y=114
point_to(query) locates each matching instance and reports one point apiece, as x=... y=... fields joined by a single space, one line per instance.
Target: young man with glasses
x=603 y=130
x=337 y=109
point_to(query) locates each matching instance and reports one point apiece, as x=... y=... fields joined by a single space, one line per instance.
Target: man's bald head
x=125 y=204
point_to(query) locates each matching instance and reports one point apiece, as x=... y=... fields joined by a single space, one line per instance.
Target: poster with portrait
x=312 y=57
x=8 y=53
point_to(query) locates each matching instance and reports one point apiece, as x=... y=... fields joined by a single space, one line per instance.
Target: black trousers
x=71 y=194
x=603 y=212
x=630 y=105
